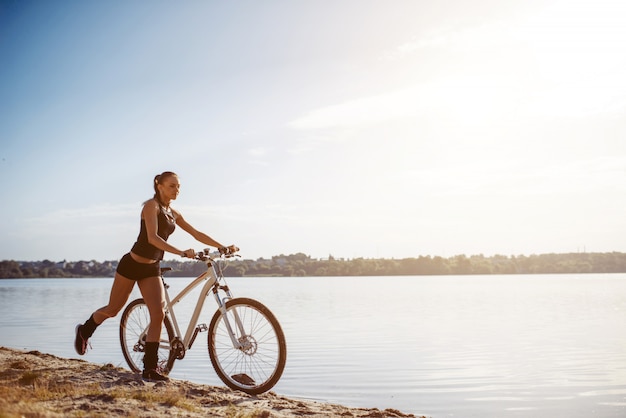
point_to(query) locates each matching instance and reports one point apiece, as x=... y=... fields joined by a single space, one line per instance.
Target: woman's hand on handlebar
x=230 y=250
x=190 y=253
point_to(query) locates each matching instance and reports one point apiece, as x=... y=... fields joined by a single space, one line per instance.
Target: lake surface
x=445 y=346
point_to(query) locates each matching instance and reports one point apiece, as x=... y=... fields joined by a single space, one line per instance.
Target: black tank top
x=166 y=225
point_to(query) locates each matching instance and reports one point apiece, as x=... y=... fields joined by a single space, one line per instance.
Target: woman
x=141 y=266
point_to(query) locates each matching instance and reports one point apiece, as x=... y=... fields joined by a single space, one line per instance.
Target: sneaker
x=80 y=343
x=153 y=376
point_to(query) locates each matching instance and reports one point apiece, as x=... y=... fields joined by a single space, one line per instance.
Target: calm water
x=453 y=346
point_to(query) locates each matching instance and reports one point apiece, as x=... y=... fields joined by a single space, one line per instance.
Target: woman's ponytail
x=157 y=181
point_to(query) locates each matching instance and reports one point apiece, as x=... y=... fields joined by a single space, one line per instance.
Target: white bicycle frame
x=212 y=278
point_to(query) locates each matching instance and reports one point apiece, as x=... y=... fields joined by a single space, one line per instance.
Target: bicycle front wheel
x=133 y=330
x=255 y=360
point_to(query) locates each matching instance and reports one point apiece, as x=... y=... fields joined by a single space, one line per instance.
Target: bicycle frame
x=212 y=278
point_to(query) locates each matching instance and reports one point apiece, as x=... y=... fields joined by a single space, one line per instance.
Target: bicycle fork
x=221 y=302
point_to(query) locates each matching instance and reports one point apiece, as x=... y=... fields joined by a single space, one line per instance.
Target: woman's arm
x=199 y=236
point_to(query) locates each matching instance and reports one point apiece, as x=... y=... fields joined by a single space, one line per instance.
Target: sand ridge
x=39 y=385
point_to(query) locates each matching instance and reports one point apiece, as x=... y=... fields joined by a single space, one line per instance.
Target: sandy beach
x=38 y=385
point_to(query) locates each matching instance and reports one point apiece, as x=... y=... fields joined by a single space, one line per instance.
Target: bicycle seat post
x=165 y=270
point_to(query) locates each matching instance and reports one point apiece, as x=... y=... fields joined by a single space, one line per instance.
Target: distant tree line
x=300 y=264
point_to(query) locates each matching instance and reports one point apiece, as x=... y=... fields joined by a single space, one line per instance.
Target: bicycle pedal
x=199 y=328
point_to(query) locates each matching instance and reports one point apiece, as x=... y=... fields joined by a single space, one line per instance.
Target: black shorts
x=133 y=270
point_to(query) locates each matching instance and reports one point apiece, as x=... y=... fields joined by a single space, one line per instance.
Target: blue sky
x=351 y=128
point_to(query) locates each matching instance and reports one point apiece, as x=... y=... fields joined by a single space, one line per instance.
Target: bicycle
x=246 y=344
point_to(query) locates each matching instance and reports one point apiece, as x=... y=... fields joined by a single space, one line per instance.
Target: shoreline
x=40 y=385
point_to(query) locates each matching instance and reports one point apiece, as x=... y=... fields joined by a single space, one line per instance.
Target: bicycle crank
x=178 y=348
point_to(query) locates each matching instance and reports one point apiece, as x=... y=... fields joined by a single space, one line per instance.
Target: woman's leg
x=154 y=296
x=120 y=291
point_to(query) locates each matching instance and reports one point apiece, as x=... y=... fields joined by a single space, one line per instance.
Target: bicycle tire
x=133 y=325
x=257 y=368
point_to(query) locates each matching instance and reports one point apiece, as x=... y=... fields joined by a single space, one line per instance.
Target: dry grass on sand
x=38 y=385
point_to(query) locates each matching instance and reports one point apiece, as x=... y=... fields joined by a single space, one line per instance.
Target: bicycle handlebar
x=223 y=252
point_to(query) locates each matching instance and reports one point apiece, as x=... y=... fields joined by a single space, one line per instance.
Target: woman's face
x=169 y=188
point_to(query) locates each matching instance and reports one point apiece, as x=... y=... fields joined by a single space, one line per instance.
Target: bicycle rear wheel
x=257 y=365
x=133 y=330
